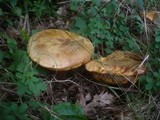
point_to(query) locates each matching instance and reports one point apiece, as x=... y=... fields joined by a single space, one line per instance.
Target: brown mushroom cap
x=118 y=63
x=59 y=49
x=118 y=68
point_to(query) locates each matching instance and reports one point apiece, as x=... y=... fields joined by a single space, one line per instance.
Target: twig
x=8 y=90
x=143 y=61
x=8 y=83
x=63 y=2
x=145 y=24
x=62 y=81
x=52 y=113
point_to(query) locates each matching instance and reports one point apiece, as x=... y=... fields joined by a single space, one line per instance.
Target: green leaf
x=32 y=87
x=14 y=107
x=21 y=89
x=19 y=75
x=157 y=38
x=9 y=117
x=80 y=23
x=149 y=80
x=21 y=61
x=73 y=6
x=38 y=88
x=140 y=4
x=92 y=11
x=149 y=86
x=24 y=35
x=34 y=104
x=11 y=111
x=45 y=115
x=12 y=45
x=41 y=86
x=23 y=108
x=156 y=74
x=13 y=2
x=111 y=8
x=17 y=10
x=158 y=83
x=96 y=2
x=70 y=111
x=35 y=79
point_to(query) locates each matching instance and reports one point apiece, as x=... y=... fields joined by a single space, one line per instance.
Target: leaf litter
x=89 y=103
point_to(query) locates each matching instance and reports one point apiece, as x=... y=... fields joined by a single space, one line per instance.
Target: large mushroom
x=118 y=68
x=62 y=50
x=59 y=50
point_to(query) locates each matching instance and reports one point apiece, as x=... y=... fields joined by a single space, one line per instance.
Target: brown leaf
x=103 y=99
x=99 y=100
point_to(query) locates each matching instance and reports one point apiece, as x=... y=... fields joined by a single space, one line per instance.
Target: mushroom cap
x=118 y=63
x=59 y=49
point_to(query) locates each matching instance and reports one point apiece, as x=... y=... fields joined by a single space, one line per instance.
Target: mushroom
x=59 y=50
x=118 y=67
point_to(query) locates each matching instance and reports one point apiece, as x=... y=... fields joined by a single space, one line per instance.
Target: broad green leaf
x=70 y=111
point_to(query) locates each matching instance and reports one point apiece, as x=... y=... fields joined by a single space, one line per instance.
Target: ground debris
x=91 y=102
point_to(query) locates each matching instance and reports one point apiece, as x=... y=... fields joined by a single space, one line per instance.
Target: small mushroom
x=59 y=50
x=119 y=67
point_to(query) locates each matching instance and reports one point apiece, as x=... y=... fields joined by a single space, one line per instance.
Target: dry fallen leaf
x=98 y=100
x=103 y=99
x=153 y=16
